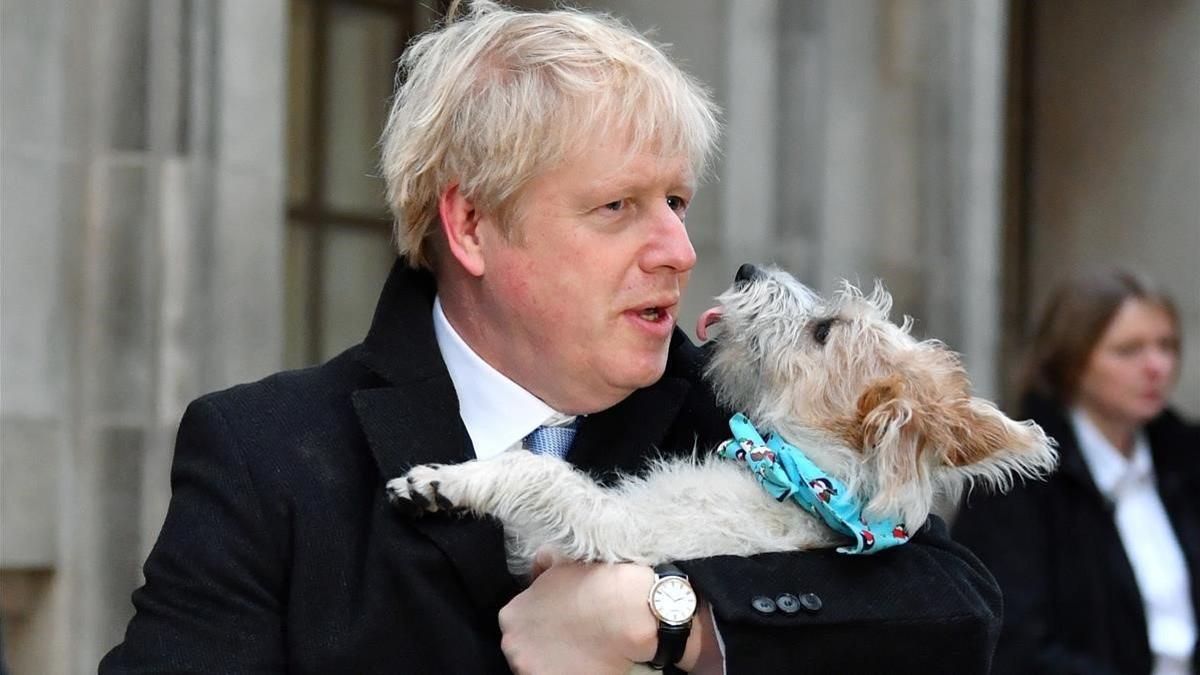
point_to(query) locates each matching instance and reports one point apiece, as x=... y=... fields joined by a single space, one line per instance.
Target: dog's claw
x=394 y=494
x=421 y=501
x=404 y=504
x=401 y=497
x=441 y=501
x=416 y=494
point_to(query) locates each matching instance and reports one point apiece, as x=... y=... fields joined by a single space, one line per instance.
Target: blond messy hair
x=495 y=97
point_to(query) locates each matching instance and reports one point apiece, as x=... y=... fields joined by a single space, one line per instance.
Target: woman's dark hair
x=1071 y=324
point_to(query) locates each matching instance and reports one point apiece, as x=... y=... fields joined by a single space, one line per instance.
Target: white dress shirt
x=497 y=412
x=1149 y=540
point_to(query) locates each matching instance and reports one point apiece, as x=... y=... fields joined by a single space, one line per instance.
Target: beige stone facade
x=967 y=153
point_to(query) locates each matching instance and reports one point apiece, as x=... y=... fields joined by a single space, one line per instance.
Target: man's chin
x=619 y=375
x=640 y=371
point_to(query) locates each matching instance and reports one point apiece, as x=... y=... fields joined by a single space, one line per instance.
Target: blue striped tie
x=553 y=441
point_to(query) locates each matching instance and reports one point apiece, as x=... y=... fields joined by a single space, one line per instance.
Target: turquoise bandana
x=785 y=472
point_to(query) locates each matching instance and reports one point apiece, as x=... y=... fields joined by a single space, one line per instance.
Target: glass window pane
x=296 y=291
x=355 y=263
x=363 y=47
x=300 y=81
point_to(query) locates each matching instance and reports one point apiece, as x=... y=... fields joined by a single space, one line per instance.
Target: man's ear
x=460 y=224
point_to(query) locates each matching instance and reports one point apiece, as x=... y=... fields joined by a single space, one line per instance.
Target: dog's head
x=891 y=416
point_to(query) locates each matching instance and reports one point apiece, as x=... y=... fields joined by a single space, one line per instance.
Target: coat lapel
x=414 y=420
x=1071 y=465
x=1073 y=469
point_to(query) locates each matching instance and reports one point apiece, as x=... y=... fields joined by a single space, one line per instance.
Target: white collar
x=496 y=411
x=1110 y=469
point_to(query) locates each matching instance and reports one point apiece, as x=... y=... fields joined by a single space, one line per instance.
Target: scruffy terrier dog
x=890 y=417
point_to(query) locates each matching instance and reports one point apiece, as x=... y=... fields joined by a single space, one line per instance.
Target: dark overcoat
x=1071 y=602
x=280 y=551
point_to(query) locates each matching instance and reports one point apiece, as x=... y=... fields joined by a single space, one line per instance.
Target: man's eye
x=821 y=331
x=615 y=206
x=677 y=203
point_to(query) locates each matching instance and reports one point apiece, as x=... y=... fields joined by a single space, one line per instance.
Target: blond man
x=540 y=168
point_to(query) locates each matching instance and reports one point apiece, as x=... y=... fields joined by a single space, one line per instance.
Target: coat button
x=811 y=602
x=763 y=605
x=788 y=603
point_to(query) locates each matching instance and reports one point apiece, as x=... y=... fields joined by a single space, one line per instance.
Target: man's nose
x=672 y=248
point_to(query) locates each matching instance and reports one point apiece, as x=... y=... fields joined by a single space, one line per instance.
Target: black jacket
x=281 y=552
x=1071 y=603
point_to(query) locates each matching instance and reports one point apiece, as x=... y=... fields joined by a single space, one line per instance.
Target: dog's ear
x=983 y=443
x=892 y=434
x=971 y=437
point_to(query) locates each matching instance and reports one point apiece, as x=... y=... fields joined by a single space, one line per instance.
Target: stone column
x=143 y=235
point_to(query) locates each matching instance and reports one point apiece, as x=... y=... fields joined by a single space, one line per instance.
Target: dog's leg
x=542 y=501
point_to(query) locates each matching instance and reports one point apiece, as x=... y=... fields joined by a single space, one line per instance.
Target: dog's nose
x=746 y=273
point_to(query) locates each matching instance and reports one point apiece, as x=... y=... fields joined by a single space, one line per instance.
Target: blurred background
x=189 y=201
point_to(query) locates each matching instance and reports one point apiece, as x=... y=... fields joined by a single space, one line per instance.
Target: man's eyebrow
x=625 y=184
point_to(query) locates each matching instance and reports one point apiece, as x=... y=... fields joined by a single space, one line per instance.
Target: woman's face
x=1132 y=369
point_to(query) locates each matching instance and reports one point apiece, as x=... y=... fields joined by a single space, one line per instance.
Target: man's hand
x=580 y=618
x=589 y=619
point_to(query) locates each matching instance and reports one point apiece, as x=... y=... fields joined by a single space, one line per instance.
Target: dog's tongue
x=707 y=319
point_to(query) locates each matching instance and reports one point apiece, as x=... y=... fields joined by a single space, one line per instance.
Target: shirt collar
x=1109 y=468
x=497 y=412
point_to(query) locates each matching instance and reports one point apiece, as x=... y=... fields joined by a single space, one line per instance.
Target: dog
x=889 y=417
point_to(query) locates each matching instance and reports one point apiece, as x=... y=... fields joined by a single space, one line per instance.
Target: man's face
x=579 y=304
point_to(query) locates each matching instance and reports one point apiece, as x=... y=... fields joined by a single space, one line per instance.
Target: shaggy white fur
x=890 y=416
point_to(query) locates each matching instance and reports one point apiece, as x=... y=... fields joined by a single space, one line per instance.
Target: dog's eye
x=821 y=331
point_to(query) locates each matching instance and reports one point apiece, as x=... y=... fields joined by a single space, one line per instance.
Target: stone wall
x=863 y=140
x=1115 y=151
x=141 y=266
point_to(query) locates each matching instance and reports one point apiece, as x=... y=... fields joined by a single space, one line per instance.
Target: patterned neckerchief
x=784 y=471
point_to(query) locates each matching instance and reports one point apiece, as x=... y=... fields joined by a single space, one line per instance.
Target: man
x=539 y=167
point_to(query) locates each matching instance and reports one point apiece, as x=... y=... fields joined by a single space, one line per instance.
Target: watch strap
x=672 y=640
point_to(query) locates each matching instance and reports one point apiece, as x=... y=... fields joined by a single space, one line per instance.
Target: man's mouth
x=707 y=319
x=659 y=311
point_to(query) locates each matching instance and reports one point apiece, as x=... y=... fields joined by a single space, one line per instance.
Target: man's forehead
x=633 y=168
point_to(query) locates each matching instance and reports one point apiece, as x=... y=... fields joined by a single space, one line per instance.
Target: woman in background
x=1099 y=564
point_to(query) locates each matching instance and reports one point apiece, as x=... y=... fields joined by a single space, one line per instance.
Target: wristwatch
x=673 y=603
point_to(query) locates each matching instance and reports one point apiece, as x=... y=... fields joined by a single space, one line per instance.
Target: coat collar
x=413 y=419
x=400 y=345
x=1055 y=421
x=1169 y=444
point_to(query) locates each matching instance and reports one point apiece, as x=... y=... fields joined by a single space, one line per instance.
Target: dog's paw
x=420 y=491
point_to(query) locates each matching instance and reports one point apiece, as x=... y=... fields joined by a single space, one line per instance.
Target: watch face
x=673 y=600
